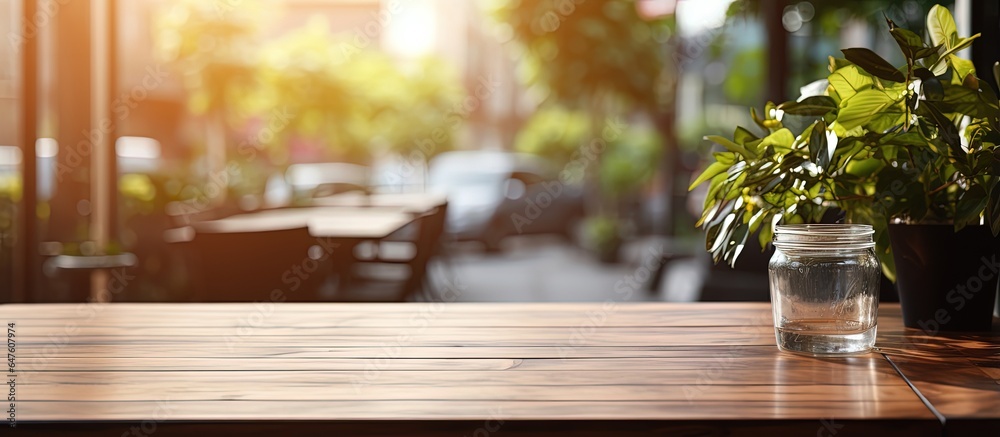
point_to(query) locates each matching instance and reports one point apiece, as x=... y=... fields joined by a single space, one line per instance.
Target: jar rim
x=835 y=237
x=857 y=229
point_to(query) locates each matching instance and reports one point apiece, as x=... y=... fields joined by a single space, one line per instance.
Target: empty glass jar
x=824 y=288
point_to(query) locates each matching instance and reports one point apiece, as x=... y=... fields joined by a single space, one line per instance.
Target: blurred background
x=480 y=150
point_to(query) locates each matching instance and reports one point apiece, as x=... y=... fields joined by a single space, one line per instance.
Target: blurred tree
x=419 y=110
x=554 y=133
x=595 y=55
x=303 y=98
x=308 y=94
x=212 y=49
x=603 y=57
x=630 y=161
x=349 y=102
x=744 y=88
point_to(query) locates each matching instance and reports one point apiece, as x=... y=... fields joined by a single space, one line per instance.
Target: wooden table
x=594 y=369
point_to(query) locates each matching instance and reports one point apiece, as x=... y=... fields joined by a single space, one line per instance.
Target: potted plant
x=911 y=150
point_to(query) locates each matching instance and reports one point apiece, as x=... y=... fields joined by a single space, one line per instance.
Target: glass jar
x=824 y=288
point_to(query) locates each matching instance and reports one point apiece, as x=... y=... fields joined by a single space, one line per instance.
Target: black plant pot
x=947 y=281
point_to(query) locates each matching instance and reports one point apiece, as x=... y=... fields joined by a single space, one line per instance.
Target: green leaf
x=850 y=80
x=818 y=146
x=891 y=117
x=756 y=119
x=781 y=139
x=910 y=44
x=860 y=109
x=715 y=213
x=882 y=248
x=730 y=145
x=737 y=241
x=993 y=208
x=970 y=205
x=837 y=63
x=766 y=233
x=865 y=167
x=718 y=183
x=710 y=172
x=931 y=84
x=996 y=73
x=968 y=101
x=984 y=161
x=775 y=180
x=874 y=64
x=756 y=219
x=712 y=233
x=926 y=52
x=908 y=138
x=946 y=129
x=941 y=27
x=963 y=67
x=790 y=162
x=728 y=158
x=959 y=46
x=743 y=136
x=812 y=106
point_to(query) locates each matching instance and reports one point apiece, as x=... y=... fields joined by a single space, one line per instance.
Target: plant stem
x=949 y=183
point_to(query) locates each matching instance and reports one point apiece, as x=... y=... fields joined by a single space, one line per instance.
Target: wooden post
x=777 y=50
x=26 y=260
x=103 y=176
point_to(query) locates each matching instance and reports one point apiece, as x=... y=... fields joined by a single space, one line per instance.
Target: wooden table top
x=479 y=369
x=331 y=222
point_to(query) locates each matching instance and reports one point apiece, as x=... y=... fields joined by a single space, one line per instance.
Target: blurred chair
x=255 y=266
x=395 y=268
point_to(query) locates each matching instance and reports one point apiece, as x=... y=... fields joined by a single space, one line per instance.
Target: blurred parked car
x=493 y=195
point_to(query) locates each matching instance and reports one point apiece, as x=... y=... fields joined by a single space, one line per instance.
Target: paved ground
x=540 y=269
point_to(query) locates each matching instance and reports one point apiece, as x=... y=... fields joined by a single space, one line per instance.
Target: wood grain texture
x=448 y=369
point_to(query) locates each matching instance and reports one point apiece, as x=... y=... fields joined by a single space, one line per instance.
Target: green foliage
x=138 y=192
x=744 y=88
x=629 y=162
x=620 y=161
x=336 y=96
x=210 y=50
x=917 y=143
x=578 y=50
x=601 y=233
x=10 y=187
x=348 y=100
x=602 y=57
x=554 y=133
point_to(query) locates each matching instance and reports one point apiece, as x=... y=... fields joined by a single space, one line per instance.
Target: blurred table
x=588 y=369
x=329 y=222
x=345 y=227
x=410 y=202
x=71 y=278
